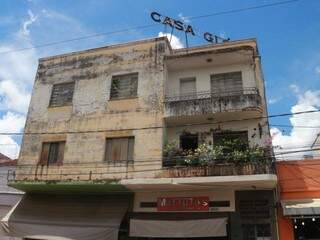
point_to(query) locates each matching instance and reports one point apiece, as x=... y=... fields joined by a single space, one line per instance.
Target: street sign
x=188 y=29
x=183 y=203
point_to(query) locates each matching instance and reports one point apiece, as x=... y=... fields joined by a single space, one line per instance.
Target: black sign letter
x=208 y=36
x=168 y=21
x=156 y=16
x=178 y=25
x=190 y=30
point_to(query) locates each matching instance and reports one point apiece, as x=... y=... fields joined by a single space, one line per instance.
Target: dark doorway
x=189 y=141
x=307 y=228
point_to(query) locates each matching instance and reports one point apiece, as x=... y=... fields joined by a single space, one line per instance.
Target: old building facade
x=170 y=138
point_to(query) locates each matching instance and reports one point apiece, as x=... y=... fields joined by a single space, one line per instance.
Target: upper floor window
x=124 y=86
x=226 y=83
x=189 y=141
x=62 y=94
x=52 y=153
x=188 y=86
x=119 y=149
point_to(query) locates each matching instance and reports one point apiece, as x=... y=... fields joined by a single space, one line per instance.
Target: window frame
x=226 y=91
x=46 y=151
x=130 y=142
x=51 y=105
x=133 y=94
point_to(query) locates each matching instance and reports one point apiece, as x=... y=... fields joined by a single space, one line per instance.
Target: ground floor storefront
x=217 y=214
x=299 y=219
x=214 y=214
x=299 y=191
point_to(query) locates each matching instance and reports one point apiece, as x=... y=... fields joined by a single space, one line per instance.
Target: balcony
x=103 y=181
x=210 y=104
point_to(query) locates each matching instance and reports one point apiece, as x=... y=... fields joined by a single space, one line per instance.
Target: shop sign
x=183 y=203
x=181 y=26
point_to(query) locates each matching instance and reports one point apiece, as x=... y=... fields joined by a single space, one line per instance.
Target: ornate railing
x=226 y=169
x=210 y=94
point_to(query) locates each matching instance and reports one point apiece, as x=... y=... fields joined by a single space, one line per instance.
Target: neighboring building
x=9 y=197
x=299 y=190
x=316 y=146
x=131 y=139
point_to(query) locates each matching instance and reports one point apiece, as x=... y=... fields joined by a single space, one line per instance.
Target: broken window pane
x=124 y=86
x=62 y=94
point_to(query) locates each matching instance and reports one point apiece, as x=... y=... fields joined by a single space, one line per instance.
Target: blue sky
x=288 y=38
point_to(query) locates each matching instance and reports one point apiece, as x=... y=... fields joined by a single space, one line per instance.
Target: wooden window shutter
x=124 y=149
x=44 y=154
x=226 y=83
x=130 y=148
x=61 y=153
x=119 y=149
x=53 y=153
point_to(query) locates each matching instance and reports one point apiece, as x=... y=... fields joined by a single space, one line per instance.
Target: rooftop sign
x=188 y=29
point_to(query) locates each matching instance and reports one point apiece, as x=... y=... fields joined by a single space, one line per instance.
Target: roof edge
x=137 y=42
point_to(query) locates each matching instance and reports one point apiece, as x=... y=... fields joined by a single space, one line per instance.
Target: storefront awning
x=301 y=207
x=213 y=227
x=69 y=216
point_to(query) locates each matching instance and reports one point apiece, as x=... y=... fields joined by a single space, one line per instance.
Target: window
x=62 y=94
x=124 y=86
x=226 y=83
x=119 y=149
x=187 y=86
x=52 y=153
x=189 y=141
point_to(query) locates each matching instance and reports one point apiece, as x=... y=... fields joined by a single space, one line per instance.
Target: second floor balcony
x=209 y=104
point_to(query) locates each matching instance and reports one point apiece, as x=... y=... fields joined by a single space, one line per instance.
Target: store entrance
x=307 y=228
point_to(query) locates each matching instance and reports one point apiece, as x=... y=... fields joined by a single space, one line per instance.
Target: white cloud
x=184 y=18
x=274 y=100
x=175 y=41
x=299 y=138
x=13 y=97
x=10 y=122
x=294 y=88
x=25 y=31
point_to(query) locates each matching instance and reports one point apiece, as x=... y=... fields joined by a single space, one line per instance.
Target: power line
x=290 y=126
x=80 y=38
x=146 y=26
x=162 y=127
x=243 y=9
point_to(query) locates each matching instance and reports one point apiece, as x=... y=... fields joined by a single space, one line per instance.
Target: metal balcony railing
x=172 y=170
x=210 y=94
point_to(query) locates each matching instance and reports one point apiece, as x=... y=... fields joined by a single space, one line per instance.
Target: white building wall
x=202 y=76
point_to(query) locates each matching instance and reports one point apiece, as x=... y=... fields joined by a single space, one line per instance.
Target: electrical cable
x=162 y=127
x=290 y=126
x=146 y=26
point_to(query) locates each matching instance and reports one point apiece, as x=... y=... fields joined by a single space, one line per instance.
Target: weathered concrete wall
x=93 y=117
